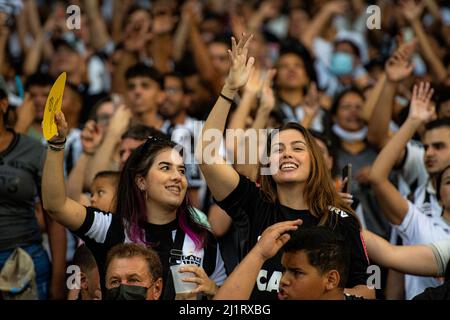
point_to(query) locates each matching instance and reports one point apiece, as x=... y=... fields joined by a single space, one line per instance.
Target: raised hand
x=411 y=9
x=269 y=9
x=399 y=67
x=312 y=101
x=255 y=82
x=336 y=7
x=91 y=137
x=421 y=108
x=163 y=24
x=274 y=237
x=63 y=128
x=119 y=121
x=191 y=12
x=25 y=114
x=267 y=94
x=241 y=65
x=237 y=24
x=137 y=35
x=407 y=48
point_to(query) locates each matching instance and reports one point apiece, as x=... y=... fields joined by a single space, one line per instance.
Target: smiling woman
x=299 y=186
x=152 y=209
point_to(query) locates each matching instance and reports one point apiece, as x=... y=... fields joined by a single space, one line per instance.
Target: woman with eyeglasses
x=152 y=209
x=297 y=185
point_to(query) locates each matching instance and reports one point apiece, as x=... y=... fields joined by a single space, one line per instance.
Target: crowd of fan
x=332 y=83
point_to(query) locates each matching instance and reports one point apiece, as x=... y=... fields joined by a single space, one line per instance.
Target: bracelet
x=53 y=148
x=226 y=98
x=57 y=143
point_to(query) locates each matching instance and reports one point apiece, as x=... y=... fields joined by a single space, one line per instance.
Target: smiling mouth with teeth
x=174 y=189
x=288 y=166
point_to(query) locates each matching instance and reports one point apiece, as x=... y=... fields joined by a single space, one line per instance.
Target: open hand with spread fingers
x=274 y=237
x=241 y=65
x=422 y=109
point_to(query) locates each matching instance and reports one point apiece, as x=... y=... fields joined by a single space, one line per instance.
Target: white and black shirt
x=415 y=183
x=417 y=228
x=103 y=230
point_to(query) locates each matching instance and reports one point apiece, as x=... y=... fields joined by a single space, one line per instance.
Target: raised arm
x=99 y=36
x=36 y=29
x=4 y=34
x=417 y=260
x=62 y=209
x=240 y=283
x=248 y=100
x=312 y=105
x=266 y=103
x=221 y=178
x=393 y=205
x=189 y=11
x=120 y=8
x=91 y=137
x=238 y=124
x=397 y=68
x=267 y=10
x=102 y=157
x=25 y=115
x=40 y=46
x=412 y=12
x=57 y=238
x=202 y=59
x=320 y=21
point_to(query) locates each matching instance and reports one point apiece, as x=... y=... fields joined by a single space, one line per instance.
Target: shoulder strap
x=177 y=250
x=209 y=259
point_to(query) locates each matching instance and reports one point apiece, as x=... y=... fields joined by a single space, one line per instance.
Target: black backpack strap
x=209 y=258
x=175 y=253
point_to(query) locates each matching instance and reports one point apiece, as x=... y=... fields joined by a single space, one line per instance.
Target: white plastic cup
x=181 y=286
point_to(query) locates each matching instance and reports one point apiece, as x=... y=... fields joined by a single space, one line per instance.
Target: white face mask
x=349 y=136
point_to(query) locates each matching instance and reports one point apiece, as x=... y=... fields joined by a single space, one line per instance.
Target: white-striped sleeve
x=95 y=226
x=441 y=251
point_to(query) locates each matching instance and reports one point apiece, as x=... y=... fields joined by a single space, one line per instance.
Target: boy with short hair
x=315 y=264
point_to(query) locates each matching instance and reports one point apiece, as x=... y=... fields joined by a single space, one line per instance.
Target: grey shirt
x=20 y=179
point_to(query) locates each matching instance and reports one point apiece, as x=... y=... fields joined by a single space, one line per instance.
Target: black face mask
x=126 y=292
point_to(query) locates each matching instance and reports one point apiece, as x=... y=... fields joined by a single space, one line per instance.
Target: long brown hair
x=319 y=192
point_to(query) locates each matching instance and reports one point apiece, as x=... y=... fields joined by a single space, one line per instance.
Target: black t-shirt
x=246 y=203
x=439 y=293
x=103 y=230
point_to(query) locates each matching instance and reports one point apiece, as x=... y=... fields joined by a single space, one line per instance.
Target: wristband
x=61 y=143
x=226 y=98
x=54 y=148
